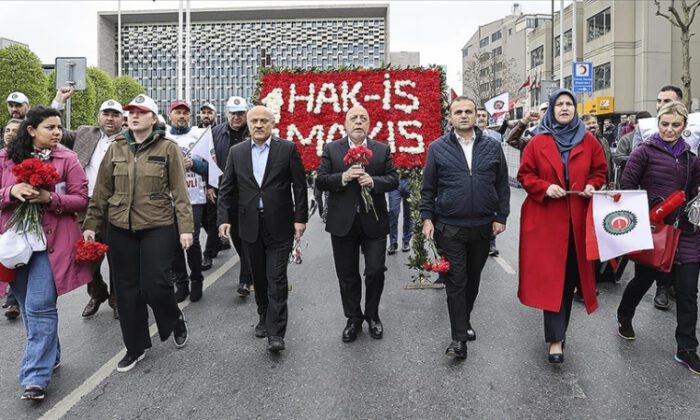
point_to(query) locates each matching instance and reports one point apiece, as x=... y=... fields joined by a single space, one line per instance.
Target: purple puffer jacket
x=654 y=169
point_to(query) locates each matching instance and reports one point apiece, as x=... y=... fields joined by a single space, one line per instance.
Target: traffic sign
x=582 y=76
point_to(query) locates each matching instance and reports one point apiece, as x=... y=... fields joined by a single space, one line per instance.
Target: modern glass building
x=229 y=45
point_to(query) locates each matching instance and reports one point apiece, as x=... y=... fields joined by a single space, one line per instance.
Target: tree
x=21 y=70
x=127 y=88
x=488 y=75
x=682 y=17
x=104 y=86
x=83 y=109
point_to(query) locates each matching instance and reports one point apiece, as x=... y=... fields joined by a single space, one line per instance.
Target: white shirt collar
x=463 y=140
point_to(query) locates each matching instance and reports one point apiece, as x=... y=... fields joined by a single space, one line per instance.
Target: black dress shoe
x=206 y=263
x=182 y=290
x=392 y=249
x=457 y=349
x=350 y=332
x=471 y=334
x=661 y=298
x=261 y=329
x=376 y=329
x=196 y=291
x=275 y=344
x=180 y=332
x=555 y=358
x=243 y=289
x=91 y=308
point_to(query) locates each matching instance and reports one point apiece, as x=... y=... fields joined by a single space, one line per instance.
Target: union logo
x=139 y=99
x=687 y=133
x=620 y=222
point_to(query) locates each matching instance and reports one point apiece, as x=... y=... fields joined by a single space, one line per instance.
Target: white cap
x=236 y=104
x=111 y=105
x=143 y=103
x=18 y=97
x=543 y=105
x=208 y=105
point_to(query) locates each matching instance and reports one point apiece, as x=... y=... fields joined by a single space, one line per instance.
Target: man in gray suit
x=91 y=144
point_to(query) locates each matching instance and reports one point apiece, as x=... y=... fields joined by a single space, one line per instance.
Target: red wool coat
x=545 y=222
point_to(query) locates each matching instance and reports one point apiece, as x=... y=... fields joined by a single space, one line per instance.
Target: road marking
x=62 y=407
x=504 y=265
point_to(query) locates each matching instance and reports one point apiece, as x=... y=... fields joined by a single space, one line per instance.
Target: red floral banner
x=404 y=108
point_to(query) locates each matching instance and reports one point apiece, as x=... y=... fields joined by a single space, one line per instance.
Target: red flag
x=453 y=95
x=524 y=85
x=533 y=85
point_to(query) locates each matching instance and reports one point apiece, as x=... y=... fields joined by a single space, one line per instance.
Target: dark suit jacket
x=283 y=191
x=343 y=201
x=82 y=141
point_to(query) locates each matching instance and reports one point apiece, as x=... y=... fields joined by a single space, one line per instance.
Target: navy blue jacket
x=457 y=195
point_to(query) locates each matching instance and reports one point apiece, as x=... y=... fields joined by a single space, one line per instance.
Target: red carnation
x=361 y=155
x=89 y=252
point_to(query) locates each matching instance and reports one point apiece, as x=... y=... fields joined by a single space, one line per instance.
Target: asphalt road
x=225 y=372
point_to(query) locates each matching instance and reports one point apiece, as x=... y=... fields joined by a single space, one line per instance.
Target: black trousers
x=556 y=323
x=194 y=253
x=346 y=255
x=467 y=249
x=685 y=279
x=144 y=259
x=268 y=259
x=97 y=288
x=213 y=244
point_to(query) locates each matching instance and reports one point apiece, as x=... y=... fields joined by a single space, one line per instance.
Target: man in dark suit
x=352 y=226
x=225 y=136
x=265 y=186
x=90 y=143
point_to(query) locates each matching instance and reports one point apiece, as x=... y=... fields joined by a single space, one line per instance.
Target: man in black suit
x=352 y=226
x=265 y=186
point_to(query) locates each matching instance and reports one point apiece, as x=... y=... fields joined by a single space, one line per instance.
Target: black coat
x=343 y=201
x=283 y=191
x=222 y=141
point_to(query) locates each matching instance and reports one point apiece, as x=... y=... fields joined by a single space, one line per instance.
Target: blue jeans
x=35 y=290
x=397 y=196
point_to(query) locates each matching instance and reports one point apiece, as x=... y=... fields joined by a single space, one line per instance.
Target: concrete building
x=405 y=59
x=230 y=45
x=6 y=42
x=633 y=53
x=505 y=43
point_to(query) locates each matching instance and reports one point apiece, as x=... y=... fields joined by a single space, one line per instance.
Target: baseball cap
x=18 y=97
x=208 y=105
x=111 y=105
x=236 y=104
x=143 y=103
x=179 y=102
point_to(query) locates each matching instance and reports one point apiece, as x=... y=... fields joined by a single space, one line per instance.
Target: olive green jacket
x=139 y=185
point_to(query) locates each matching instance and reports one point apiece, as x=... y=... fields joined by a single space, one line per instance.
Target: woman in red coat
x=560 y=168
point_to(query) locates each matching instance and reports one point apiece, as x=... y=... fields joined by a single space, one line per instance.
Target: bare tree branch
x=679 y=21
x=658 y=13
x=693 y=8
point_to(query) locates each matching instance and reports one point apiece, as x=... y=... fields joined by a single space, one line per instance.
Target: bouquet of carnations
x=89 y=252
x=360 y=156
x=26 y=217
x=439 y=265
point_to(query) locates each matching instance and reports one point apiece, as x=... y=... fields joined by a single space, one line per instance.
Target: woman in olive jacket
x=140 y=181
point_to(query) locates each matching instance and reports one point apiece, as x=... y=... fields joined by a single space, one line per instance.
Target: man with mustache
x=91 y=144
x=352 y=226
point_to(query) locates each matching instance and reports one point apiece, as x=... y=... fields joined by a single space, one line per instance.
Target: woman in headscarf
x=662 y=165
x=560 y=168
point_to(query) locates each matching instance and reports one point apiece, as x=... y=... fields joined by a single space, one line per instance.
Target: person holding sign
x=662 y=165
x=560 y=168
x=196 y=169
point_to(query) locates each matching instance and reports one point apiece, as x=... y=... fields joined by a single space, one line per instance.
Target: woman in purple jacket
x=52 y=272
x=661 y=165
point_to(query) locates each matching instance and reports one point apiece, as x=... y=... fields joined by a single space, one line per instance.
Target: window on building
x=567 y=82
x=567 y=43
x=537 y=56
x=484 y=42
x=484 y=87
x=532 y=22
x=497 y=51
x=465 y=52
x=599 y=24
x=497 y=66
x=483 y=72
x=601 y=76
x=510 y=31
x=496 y=36
x=497 y=83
